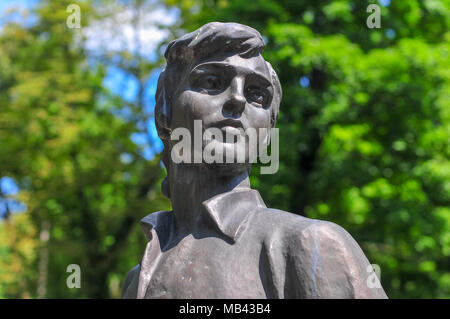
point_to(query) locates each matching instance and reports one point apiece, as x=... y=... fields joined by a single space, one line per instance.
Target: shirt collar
x=227 y=211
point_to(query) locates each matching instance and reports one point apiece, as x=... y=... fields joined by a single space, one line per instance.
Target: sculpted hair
x=212 y=39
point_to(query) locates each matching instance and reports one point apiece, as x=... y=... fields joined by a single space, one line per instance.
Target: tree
x=364 y=125
x=79 y=173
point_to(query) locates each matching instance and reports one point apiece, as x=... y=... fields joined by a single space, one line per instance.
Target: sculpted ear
x=163 y=109
x=275 y=105
x=163 y=115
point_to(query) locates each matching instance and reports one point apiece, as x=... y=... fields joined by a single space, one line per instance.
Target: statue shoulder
x=304 y=231
x=330 y=260
x=286 y=222
x=130 y=285
x=340 y=267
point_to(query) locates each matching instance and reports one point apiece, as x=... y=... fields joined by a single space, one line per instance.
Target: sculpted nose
x=235 y=104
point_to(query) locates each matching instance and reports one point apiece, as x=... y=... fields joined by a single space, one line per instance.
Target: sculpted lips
x=229 y=127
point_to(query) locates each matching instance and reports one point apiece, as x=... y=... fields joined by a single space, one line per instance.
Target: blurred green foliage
x=364 y=125
x=364 y=131
x=62 y=142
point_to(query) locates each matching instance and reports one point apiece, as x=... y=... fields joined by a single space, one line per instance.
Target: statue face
x=225 y=93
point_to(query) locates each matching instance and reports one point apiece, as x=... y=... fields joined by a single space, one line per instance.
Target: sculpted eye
x=209 y=82
x=256 y=95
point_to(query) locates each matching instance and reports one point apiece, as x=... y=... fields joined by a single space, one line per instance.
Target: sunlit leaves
x=365 y=119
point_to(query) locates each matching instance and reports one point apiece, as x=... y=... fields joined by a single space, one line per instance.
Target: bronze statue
x=220 y=240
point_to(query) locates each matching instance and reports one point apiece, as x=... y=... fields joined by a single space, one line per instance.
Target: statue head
x=216 y=74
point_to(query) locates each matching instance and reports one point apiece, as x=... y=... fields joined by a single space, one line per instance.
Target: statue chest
x=207 y=267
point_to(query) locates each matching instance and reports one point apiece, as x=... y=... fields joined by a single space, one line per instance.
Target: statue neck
x=191 y=185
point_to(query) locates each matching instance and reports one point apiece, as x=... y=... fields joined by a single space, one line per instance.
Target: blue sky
x=116 y=80
x=8 y=186
x=5 y=4
x=8 y=4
